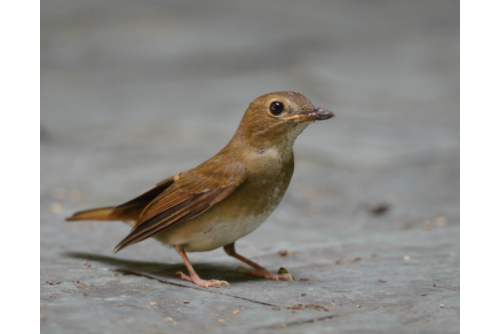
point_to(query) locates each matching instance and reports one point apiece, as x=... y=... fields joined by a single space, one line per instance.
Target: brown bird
x=227 y=196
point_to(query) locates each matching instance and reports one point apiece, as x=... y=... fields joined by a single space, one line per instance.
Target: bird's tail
x=106 y=213
x=128 y=212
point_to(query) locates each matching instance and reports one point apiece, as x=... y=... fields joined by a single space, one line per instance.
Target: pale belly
x=211 y=231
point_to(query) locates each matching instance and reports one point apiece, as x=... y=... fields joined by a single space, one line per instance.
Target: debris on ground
x=317 y=307
x=53 y=282
x=380 y=209
x=296 y=307
x=282 y=270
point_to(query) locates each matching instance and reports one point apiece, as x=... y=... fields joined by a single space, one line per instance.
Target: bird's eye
x=276 y=108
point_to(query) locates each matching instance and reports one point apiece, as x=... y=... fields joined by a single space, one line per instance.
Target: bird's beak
x=311 y=115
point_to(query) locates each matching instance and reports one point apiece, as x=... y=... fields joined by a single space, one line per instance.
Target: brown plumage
x=227 y=196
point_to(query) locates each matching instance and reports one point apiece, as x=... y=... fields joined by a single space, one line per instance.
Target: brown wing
x=145 y=198
x=190 y=195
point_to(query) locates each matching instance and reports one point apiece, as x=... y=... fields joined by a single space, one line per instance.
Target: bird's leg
x=260 y=271
x=193 y=275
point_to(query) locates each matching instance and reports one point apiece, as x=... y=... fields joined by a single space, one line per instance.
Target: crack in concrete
x=297 y=323
x=135 y=273
x=311 y=321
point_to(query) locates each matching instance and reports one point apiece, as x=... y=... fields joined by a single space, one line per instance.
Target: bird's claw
x=266 y=274
x=201 y=282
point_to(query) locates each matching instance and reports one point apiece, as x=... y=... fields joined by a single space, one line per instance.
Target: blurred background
x=133 y=92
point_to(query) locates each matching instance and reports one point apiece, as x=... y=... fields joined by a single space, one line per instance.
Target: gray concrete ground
x=133 y=92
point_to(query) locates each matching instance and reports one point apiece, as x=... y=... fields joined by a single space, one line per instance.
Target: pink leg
x=260 y=271
x=193 y=275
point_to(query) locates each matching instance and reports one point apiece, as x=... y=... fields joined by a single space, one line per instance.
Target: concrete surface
x=133 y=92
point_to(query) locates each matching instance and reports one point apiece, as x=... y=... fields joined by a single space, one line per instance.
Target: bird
x=226 y=197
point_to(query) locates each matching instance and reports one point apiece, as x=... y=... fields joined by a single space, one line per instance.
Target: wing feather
x=190 y=195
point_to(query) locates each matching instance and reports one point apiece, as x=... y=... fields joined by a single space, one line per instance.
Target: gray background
x=134 y=92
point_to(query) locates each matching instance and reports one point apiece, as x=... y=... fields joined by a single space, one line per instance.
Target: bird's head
x=278 y=118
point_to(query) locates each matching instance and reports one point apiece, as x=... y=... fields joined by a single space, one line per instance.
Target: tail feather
x=130 y=211
x=106 y=213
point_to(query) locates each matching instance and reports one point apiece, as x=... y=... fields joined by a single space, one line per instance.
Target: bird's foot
x=261 y=272
x=201 y=282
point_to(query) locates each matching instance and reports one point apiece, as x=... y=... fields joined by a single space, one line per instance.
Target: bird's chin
x=317 y=114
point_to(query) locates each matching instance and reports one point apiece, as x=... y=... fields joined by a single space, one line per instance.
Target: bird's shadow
x=165 y=271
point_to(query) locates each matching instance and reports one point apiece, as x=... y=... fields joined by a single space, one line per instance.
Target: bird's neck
x=262 y=153
x=262 y=141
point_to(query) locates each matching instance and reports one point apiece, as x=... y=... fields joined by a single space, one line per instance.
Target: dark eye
x=276 y=108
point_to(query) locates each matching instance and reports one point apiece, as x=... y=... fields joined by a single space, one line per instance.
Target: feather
x=189 y=195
